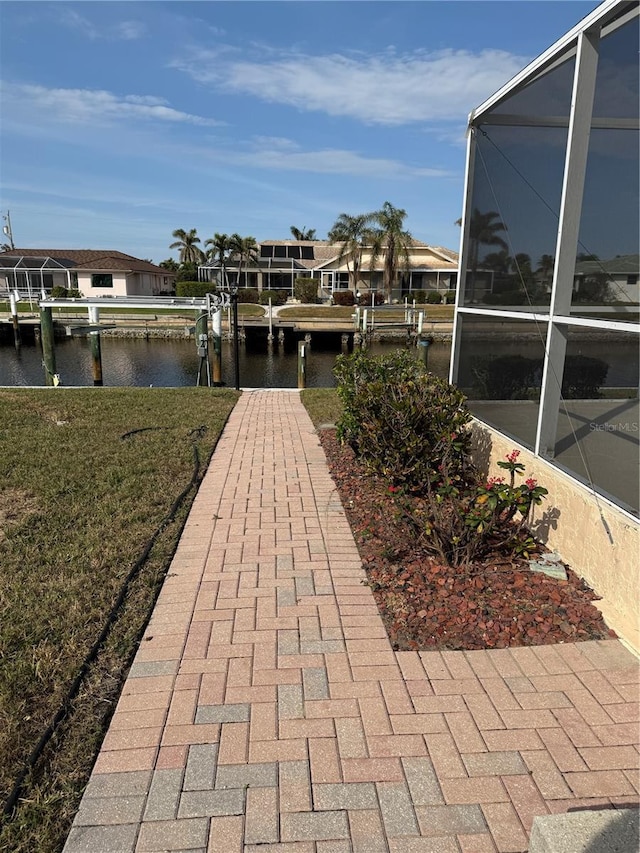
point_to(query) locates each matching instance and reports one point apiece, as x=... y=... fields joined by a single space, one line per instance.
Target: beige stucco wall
x=119 y=285
x=571 y=521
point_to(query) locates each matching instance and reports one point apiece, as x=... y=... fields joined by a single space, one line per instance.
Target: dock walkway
x=266 y=709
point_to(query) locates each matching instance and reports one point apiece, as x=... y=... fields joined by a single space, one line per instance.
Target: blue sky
x=122 y=121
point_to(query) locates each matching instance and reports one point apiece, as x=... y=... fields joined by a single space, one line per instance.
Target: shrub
x=344 y=297
x=420 y=296
x=401 y=420
x=507 y=297
x=434 y=298
x=509 y=377
x=306 y=290
x=278 y=297
x=59 y=292
x=583 y=376
x=461 y=525
x=248 y=294
x=450 y=297
x=365 y=299
x=195 y=288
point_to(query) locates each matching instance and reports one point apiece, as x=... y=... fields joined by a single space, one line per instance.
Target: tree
x=303 y=233
x=246 y=250
x=391 y=240
x=545 y=270
x=170 y=264
x=186 y=241
x=484 y=230
x=220 y=251
x=353 y=233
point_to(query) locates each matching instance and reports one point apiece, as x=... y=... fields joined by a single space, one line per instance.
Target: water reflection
x=173 y=363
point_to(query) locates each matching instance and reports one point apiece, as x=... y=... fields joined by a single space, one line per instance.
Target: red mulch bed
x=425 y=605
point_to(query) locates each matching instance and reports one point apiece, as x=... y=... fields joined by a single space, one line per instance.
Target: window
x=279 y=251
x=307 y=253
x=266 y=251
x=101 y=279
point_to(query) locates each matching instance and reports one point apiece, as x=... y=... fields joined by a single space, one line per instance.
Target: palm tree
x=484 y=230
x=303 y=233
x=390 y=239
x=186 y=243
x=246 y=250
x=352 y=232
x=220 y=250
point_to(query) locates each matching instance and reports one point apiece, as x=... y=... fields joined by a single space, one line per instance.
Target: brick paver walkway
x=266 y=708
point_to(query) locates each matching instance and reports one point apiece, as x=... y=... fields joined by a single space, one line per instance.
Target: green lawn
x=87 y=476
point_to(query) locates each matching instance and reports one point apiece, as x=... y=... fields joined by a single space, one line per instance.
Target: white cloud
x=124 y=30
x=284 y=154
x=83 y=106
x=388 y=89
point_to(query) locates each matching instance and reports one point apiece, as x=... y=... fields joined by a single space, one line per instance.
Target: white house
x=430 y=268
x=94 y=272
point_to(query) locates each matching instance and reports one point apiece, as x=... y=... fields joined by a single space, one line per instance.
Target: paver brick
x=164 y=795
x=118 y=784
x=366 y=831
x=314 y=826
x=200 y=771
x=294 y=786
x=101 y=811
x=211 y=803
x=238 y=713
x=494 y=764
x=506 y=829
x=398 y=815
x=451 y=820
x=172 y=835
x=247 y=775
x=422 y=780
x=107 y=839
x=226 y=835
x=334 y=797
x=479 y=789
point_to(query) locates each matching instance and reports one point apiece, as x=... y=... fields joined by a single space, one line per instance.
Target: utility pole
x=6 y=230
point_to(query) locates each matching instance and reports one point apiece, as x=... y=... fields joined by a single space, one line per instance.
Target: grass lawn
x=87 y=477
x=395 y=313
x=322 y=404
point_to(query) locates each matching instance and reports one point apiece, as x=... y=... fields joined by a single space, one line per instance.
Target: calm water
x=174 y=363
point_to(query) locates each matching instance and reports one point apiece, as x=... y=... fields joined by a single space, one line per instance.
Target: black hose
x=65 y=706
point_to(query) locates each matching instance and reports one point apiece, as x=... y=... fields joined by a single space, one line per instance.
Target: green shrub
x=461 y=525
x=402 y=421
x=509 y=377
x=434 y=298
x=343 y=297
x=278 y=297
x=450 y=297
x=306 y=290
x=195 y=288
x=365 y=299
x=420 y=296
x=249 y=294
x=507 y=297
x=59 y=292
x=583 y=376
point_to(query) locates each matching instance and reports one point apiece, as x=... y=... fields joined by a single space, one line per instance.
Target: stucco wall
x=573 y=522
x=119 y=285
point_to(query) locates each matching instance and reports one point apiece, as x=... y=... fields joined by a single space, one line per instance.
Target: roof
x=620 y=265
x=325 y=252
x=89 y=259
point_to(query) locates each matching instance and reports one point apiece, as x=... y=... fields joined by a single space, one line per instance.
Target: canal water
x=174 y=362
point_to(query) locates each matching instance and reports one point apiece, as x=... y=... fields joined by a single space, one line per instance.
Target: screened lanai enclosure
x=546 y=331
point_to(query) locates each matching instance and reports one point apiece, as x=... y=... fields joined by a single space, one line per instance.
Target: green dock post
x=48 y=351
x=423 y=350
x=216 y=328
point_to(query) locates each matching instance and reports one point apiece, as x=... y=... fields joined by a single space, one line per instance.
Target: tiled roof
x=91 y=259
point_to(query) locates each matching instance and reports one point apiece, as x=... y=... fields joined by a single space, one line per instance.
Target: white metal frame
x=583 y=42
